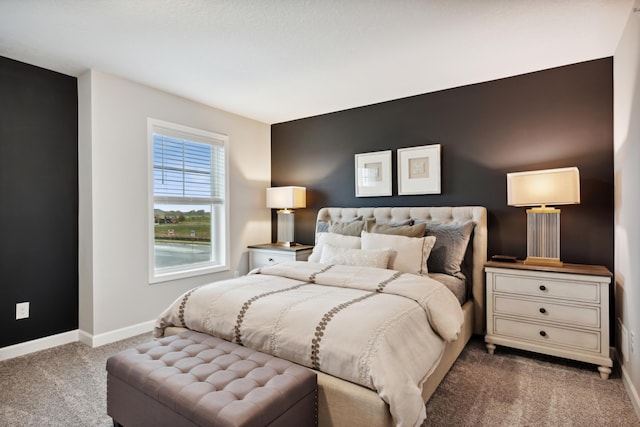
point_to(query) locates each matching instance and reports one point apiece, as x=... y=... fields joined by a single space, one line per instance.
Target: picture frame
x=373 y=174
x=419 y=170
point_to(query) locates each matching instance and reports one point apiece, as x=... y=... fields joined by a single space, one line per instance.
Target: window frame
x=219 y=211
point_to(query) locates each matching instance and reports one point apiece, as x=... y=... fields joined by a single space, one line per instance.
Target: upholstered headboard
x=457 y=214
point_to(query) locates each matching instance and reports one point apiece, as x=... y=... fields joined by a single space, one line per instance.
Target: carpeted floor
x=66 y=386
x=62 y=386
x=517 y=388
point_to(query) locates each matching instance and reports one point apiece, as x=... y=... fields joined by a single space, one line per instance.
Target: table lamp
x=286 y=199
x=542 y=188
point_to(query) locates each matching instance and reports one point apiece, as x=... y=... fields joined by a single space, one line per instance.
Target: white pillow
x=334 y=239
x=408 y=254
x=359 y=257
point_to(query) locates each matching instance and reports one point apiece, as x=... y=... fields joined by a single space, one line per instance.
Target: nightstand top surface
x=277 y=247
x=594 y=270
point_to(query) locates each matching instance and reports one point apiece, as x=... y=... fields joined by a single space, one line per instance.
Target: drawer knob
x=543 y=334
x=543 y=310
x=543 y=288
x=270 y=259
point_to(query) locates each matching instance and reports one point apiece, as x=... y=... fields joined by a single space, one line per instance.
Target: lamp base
x=543 y=237
x=285 y=227
x=548 y=262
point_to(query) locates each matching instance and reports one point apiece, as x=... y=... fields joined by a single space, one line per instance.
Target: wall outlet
x=22 y=310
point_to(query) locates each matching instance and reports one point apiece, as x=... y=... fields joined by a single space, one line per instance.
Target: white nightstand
x=271 y=253
x=560 y=311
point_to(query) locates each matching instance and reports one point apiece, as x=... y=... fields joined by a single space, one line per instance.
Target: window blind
x=188 y=169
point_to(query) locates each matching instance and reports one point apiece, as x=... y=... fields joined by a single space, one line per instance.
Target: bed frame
x=342 y=403
x=345 y=404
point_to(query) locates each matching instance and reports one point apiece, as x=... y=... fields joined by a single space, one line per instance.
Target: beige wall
x=116 y=299
x=627 y=200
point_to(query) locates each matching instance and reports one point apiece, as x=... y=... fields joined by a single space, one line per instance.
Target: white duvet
x=379 y=328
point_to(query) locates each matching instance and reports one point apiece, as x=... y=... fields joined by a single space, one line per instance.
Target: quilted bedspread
x=379 y=328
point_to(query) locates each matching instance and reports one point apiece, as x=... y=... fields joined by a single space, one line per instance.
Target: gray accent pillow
x=417 y=230
x=398 y=223
x=323 y=226
x=447 y=254
x=353 y=228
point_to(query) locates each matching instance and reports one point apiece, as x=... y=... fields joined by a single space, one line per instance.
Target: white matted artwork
x=373 y=174
x=419 y=170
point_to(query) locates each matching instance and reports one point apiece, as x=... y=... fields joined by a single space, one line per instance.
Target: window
x=189 y=209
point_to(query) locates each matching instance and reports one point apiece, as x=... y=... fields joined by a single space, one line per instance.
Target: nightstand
x=271 y=253
x=560 y=311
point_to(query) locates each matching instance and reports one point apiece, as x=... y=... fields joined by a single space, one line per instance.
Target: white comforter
x=379 y=328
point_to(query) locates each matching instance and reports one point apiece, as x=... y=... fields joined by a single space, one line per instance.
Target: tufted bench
x=194 y=379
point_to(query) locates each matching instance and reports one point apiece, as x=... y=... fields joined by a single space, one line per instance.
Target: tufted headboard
x=457 y=214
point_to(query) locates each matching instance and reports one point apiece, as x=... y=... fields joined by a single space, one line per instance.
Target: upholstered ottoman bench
x=193 y=379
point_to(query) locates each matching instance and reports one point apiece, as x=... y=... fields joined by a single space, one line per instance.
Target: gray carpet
x=65 y=386
x=517 y=388
x=62 y=386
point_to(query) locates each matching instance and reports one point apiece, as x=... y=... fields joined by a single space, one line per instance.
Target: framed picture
x=373 y=174
x=419 y=170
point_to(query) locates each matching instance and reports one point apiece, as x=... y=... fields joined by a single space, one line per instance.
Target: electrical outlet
x=22 y=310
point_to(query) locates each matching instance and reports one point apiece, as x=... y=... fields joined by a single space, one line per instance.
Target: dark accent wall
x=552 y=118
x=38 y=201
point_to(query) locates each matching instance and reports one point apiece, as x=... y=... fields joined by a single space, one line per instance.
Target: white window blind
x=187 y=169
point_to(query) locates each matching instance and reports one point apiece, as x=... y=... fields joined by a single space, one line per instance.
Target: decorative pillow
x=399 y=223
x=407 y=254
x=323 y=226
x=353 y=228
x=451 y=244
x=333 y=239
x=360 y=257
x=402 y=230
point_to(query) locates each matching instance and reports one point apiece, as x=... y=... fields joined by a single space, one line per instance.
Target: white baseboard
x=36 y=345
x=631 y=390
x=74 y=336
x=626 y=381
x=116 y=335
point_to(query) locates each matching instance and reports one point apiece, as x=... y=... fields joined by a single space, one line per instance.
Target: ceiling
x=280 y=60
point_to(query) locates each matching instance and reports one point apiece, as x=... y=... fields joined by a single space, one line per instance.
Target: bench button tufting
x=226 y=380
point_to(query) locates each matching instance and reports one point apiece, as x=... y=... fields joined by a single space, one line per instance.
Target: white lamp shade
x=544 y=187
x=286 y=197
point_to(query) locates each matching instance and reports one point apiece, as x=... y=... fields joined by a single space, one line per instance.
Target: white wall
x=85 y=227
x=114 y=288
x=626 y=77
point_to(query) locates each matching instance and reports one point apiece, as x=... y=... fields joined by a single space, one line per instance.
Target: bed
x=364 y=397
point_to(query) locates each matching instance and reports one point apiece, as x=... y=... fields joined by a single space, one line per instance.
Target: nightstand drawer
x=545 y=287
x=541 y=309
x=268 y=254
x=548 y=335
x=266 y=258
